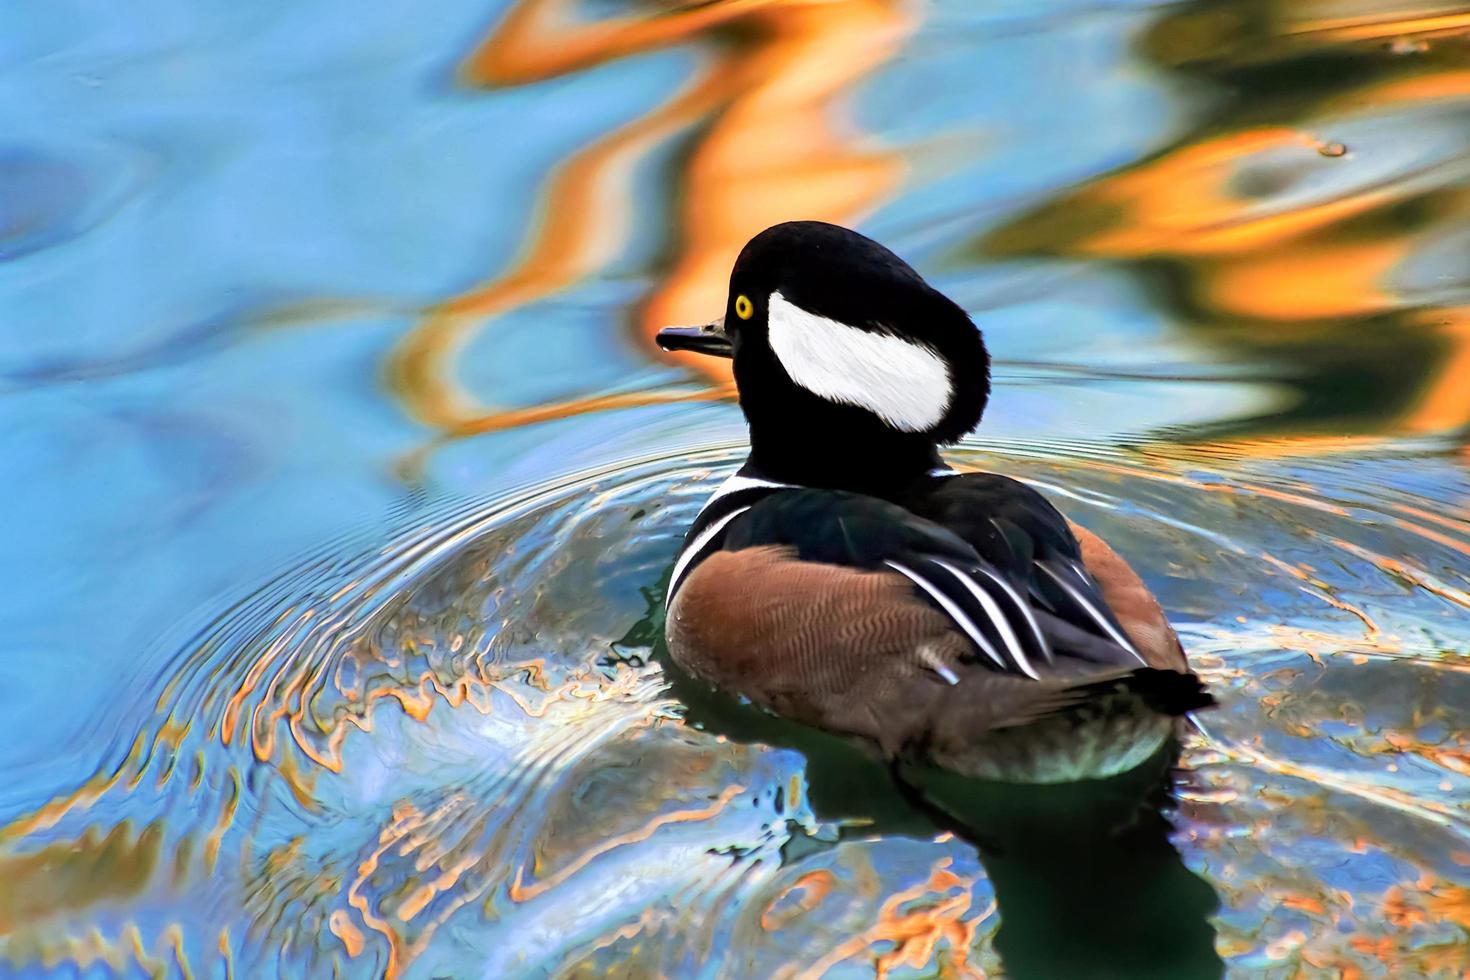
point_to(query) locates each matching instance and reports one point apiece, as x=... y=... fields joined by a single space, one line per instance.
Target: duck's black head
x=851 y=368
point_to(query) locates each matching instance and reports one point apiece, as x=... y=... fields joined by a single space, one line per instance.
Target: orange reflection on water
x=1218 y=202
x=63 y=876
x=812 y=888
x=1254 y=31
x=1264 y=222
x=1185 y=202
x=1446 y=403
x=916 y=921
x=1379 y=26
x=767 y=151
x=352 y=939
x=51 y=812
x=524 y=892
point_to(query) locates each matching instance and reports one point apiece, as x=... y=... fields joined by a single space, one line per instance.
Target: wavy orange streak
x=1180 y=203
x=216 y=836
x=1402 y=571
x=916 y=932
x=1454 y=544
x=1427 y=87
x=415 y=701
x=815 y=886
x=230 y=718
x=82 y=797
x=270 y=709
x=127 y=950
x=1320 y=590
x=226 y=954
x=311 y=689
x=629 y=930
x=1248 y=247
x=1386 y=796
x=582 y=225
x=1266 y=447
x=413 y=830
x=525 y=893
x=536 y=711
x=171 y=735
x=514 y=418
x=539 y=40
x=774 y=153
x=165 y=738
x=1256 y=490
x=1368 y=27
x=405 y=818
x=301 y=782
x=341 y=925
x=1460 y=524
x=1445 y=405
x=1347 y=280
x=768 y=154
x=418 y=900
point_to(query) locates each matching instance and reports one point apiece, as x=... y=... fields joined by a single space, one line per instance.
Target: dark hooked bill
x=708 y=338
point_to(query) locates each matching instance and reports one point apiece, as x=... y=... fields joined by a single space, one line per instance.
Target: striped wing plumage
x=1021 y=606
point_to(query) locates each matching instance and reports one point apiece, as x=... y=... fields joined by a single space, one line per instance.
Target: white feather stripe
x=951 y=609
x=1097 y=617
x=931 y=660
x=905 y=384
x=736 y=483
x=687 y=555
x=993 y=610
x=1024 y=607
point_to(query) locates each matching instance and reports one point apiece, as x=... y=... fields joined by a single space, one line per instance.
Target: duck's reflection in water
x=1086 y=878
x=1087 y=881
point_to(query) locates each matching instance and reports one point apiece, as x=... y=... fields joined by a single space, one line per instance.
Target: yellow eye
x=744 y=307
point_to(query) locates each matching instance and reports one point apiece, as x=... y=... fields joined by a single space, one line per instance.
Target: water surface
x=342 y=478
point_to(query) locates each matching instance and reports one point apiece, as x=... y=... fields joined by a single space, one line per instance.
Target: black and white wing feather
x=841 y=528
x=1021 y=536
x=987 y=551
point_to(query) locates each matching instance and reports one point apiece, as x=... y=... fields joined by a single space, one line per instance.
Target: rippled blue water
x=322 y=655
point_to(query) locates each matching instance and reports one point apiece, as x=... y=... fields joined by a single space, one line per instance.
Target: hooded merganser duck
x=847 y=578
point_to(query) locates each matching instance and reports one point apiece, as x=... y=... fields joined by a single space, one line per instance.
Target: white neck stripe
x=737 y=483
x=694 y=548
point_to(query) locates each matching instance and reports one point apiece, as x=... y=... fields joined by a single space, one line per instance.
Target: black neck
x=798 y=437
x=881 y=465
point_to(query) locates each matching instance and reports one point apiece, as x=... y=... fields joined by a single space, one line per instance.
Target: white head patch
x=905 y=384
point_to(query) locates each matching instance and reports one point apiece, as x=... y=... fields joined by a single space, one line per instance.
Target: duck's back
x=957 y=623
x=1014 y=527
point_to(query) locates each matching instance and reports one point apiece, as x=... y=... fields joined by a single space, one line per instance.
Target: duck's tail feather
x=1169 y=692
x=1088 y=728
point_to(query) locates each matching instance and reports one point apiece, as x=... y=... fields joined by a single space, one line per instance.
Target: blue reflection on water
x=217 y=221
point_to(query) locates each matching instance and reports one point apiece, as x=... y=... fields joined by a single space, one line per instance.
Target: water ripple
x=455 y=747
